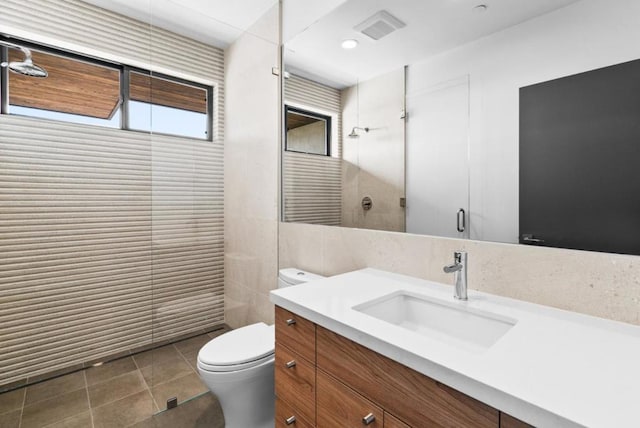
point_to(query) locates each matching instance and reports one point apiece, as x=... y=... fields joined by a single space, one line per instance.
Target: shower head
x=354 y=132
x=25 y=67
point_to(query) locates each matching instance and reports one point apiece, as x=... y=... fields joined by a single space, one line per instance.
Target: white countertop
x=552 y=369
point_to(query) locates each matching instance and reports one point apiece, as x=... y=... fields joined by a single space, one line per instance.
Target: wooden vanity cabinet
x=295 y=370
x=414 y=398
x=295 y=382
x=340 y=406
x=287 y=416
x=296 y=333
x=391 y=421
x=325 y=380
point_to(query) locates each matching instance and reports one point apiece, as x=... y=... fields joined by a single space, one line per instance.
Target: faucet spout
x=452 y=268
x=459 y=270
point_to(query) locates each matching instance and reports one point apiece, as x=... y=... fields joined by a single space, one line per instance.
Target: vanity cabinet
x=391 y=421
x=411 y=396
x=323 y=379
x=295 y=370
x=340 y=406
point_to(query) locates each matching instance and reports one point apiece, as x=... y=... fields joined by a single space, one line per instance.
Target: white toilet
x=238 y=367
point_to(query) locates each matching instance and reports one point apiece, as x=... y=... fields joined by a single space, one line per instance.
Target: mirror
x=510 y=121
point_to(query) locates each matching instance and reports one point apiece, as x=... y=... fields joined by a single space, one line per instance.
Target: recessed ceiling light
x=349 y=44
x=480 y=8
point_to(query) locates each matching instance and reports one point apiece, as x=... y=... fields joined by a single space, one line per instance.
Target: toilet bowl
x=238 y=367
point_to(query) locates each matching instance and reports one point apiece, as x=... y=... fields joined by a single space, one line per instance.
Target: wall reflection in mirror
x=512 y=123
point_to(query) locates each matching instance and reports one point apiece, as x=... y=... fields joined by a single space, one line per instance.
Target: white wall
x=583 y=36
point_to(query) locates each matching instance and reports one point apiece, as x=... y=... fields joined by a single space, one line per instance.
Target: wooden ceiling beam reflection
x=295 y=120
x=73 y=86
x=154 y=90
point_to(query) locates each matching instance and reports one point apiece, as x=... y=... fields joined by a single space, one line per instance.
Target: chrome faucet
x=459 y=269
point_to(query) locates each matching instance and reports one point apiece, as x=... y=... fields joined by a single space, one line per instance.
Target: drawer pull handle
x=291 y=321
x=291 y=364
x=290 y=420
x=369 y=419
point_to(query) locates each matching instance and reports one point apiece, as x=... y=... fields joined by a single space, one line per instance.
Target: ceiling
x=432 y=26
x=313 y=30
x=215 y=22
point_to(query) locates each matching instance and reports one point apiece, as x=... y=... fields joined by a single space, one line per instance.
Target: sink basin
x=452 y=322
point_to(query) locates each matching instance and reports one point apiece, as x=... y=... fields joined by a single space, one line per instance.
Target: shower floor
x=127 y=392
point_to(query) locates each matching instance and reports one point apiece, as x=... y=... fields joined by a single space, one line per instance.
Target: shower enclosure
x=111 y=198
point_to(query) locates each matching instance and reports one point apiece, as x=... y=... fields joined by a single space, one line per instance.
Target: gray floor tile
x=83 y=420
x=201 y=412
x=150 y=422
x=11 y=400
x=156 y=374
x=192 y=359
x=192 y=345
x=183 y=388
x=54 y=387
x=110 y=370
x=125 y=412
x=155 y=356
x=11 y=419
x=55 y=409
x=116 y=388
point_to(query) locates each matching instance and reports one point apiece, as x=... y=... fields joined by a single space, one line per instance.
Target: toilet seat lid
x=238 y=347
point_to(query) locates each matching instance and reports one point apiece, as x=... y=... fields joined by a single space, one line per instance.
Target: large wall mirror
x=500 y=120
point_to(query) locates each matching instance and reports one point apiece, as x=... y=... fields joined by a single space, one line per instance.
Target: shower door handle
x=461 y=220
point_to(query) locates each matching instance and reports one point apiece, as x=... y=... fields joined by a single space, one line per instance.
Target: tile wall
x=598 y=284
x=251 y=173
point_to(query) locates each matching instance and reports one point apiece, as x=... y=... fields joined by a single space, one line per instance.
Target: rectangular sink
x=446 y=321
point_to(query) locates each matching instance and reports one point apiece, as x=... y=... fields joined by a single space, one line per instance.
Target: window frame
x=314 y=115
x=124 y=70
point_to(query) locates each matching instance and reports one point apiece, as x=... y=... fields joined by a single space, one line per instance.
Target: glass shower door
x=438 y=158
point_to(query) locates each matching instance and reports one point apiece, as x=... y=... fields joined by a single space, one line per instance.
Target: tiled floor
x=122 y=393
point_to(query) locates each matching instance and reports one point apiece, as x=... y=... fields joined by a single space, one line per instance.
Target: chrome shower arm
x=25 y=51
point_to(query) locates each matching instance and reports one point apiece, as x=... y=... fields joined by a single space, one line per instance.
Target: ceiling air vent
x=379 y=25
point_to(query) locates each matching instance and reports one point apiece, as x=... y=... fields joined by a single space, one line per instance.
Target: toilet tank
x=292 y=276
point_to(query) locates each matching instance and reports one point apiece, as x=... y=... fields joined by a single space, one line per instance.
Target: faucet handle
x=460 y=256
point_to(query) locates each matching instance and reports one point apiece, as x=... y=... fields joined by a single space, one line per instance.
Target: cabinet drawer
x=296 y=333
x=339 y=406
x=413 y=397
x=296 y=382
x=391 y=421
x=287 y=416
x=507 y=421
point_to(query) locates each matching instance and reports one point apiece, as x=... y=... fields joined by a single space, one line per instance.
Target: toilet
x=238 y=367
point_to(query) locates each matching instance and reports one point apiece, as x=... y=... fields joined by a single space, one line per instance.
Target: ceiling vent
x=379 y=25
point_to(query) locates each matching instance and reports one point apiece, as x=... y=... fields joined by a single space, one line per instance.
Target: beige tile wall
x=374 y=163
x=251 y=173
x=599 y=284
